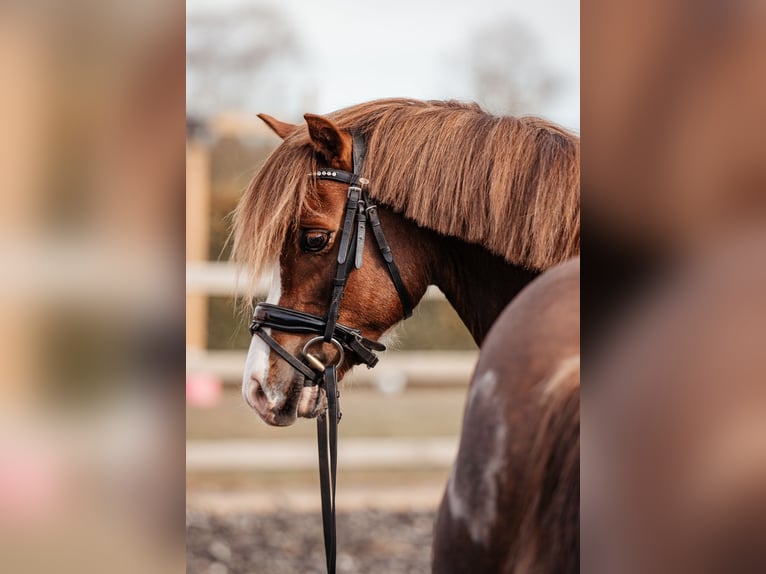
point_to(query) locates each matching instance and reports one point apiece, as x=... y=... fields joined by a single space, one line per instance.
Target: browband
x=342 y=176
x=353 y=177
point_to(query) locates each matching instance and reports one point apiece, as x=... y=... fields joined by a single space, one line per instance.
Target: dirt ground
x=288 y=543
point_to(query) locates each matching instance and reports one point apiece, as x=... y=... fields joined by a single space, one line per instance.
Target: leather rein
x=359 y=210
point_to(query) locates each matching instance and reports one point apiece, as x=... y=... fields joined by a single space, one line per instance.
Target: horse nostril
x=259 y=393
x=258 y=398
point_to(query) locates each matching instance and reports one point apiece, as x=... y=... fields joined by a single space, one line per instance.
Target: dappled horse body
x=476 y=204
x=512 y=500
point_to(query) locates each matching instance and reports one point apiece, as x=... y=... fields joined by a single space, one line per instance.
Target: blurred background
x=674 y=298
x=91 y=243
x=402 y=419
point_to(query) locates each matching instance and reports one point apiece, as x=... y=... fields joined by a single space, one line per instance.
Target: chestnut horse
x=475 y=204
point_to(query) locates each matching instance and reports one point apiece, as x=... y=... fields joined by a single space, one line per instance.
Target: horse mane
x=511 y=184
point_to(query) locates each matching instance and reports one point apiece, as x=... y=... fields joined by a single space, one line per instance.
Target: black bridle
x=348 y=341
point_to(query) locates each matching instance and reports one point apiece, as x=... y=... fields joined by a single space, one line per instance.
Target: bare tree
x=240 y=58
x=509 y=71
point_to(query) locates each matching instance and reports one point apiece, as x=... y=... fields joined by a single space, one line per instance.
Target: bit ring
x=315 y=363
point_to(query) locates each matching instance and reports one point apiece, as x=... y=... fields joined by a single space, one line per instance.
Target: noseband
x=348 y=341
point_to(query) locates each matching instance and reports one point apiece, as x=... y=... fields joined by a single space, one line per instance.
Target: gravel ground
x=289 y=543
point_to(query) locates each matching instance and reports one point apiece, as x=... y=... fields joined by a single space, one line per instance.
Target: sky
x=363 y=50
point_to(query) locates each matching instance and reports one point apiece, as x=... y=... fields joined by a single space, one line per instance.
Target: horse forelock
x=510 y=184
x=272 y=206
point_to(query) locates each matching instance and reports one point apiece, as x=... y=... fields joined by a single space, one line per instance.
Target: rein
x=358 y=212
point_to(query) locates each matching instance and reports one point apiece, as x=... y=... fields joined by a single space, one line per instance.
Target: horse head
x=307 y=273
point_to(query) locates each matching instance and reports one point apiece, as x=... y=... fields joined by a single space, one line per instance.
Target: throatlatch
x=350 y=343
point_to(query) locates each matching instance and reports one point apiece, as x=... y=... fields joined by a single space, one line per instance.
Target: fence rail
x=300 y=454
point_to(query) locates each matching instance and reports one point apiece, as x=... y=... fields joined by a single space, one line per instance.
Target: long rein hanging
x=359 y=210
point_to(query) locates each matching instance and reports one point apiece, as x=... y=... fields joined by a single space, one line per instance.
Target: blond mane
x=511 y=184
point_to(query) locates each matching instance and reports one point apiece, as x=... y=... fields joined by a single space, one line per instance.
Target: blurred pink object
x=203 y=390
x=30 y=485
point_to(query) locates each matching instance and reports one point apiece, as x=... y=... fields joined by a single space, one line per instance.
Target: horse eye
x=314 y=240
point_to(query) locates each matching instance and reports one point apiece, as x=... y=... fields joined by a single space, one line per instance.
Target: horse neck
x=477 y=283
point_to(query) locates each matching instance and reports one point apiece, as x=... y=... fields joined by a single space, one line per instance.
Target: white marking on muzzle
x=257 y=362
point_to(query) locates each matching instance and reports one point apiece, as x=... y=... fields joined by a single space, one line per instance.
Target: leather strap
x=338 y=175
x=346 y=231
x=282 y=352
x=361 y=224
x=339 y=288
x=327 y=447
x=292 y=321
x=364 y=354
x=388 y=257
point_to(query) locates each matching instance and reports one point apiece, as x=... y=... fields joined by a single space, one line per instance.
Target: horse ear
x=329 y=141
x=282 y=129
